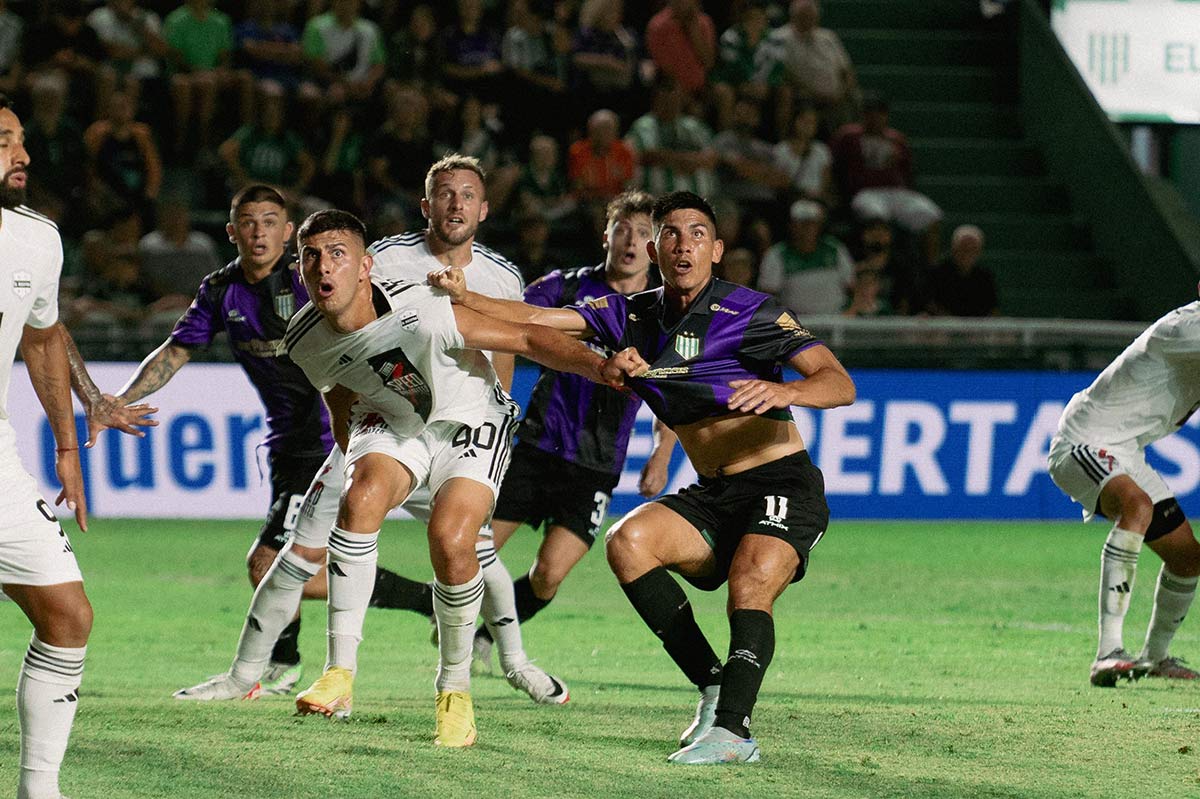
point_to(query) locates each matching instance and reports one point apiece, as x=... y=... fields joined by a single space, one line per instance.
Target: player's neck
x=679 y=300
x=357 y=315
x=449 y=254
x=254 y=274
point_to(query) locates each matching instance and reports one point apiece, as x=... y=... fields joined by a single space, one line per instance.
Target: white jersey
x=31 y=259
x=410 y=364
x=407 y=257
x=1147 y=393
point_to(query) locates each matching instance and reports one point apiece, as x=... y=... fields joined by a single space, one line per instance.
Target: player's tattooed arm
x=154 y=372
x=340 y=400
x=103 y=410
x=45 y=354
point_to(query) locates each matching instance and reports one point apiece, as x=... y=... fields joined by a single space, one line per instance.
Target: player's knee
x=545 y=579
x=310 y=554
x=69 y=626
x=627 y=546
x=1137 y=511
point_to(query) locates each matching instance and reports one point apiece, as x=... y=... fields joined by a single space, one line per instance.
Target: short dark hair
x=680 y=201
x=256 y=193
x=629 y=203
x=4 y=101
x=327 y=220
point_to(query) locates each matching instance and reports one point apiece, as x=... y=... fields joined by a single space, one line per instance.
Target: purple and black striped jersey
x=255 y=316
x=570 y=416
x=728 y=333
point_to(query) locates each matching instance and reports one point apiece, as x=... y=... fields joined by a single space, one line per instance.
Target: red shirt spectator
x=601 y=165
x=868 y=159
x=682 y=41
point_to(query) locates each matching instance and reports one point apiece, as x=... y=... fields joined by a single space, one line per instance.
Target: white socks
x=1118 y=564
x=1172 y=599
x=500 y=607
x=352 y=559
x=456 y=608
x=273 y=607
x=47 y=695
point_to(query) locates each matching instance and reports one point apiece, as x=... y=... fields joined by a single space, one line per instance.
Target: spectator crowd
x=144 y=116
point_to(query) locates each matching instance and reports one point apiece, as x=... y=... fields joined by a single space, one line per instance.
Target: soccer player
x=715 y=351
x=413 y=402
x=1098 y=459
x=573 y=438
x=455 y=205
x=37 y=566
x=251 y=300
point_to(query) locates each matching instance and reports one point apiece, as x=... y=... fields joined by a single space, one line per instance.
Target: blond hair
x=452 y=162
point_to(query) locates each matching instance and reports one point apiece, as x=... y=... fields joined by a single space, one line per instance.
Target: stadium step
x=960 y=120
x=1024 y=231
x=936 y=14
x=938 y=83
x=929 y=47
x=982 y=194
x=962 y=156
x=1050 y=270
x=1078 y=303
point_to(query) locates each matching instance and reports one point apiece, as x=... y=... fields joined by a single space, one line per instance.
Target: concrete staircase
x=951 y=80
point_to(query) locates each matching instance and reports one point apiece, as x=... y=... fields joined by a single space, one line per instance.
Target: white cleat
x=706 y=716
x=541 y=687
x=717 y=746
x=223 y=686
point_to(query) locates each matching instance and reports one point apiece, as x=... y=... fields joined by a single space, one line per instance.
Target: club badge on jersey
x=285 y=305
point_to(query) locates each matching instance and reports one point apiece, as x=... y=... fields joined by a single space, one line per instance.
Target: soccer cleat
x=281 y=678
x=706 y=715
x=331 y=695
x=481 y=656
x=455 y=719
x=1116 y=665
x=716 y=746
x=223 y=686
x=543 y=688
x=1171 y=668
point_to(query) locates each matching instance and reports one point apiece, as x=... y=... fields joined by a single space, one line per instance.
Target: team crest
x=22 y=283
x=687 y=345
x=285 y=305
x=409 y=319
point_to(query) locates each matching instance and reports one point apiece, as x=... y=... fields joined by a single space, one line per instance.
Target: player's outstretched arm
x=826 y=384
x=154 y=372
x=103 y=410
x=548 y=347
x=45 y=355
x=454 y=283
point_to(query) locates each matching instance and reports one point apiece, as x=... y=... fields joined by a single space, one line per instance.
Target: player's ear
x=604 y=241
x=718 y=251
x=483 y=210
x=229 y=228
x=287 y=232
x=650 y=248
x=368 y=261
x=424 y=208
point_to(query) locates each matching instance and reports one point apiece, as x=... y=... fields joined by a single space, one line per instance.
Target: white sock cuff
x=1172 y=582
x=1122 y=545
x=344 y=545
x=59 y=665
x=485 y=551
x=293 y=566
x=457 y=596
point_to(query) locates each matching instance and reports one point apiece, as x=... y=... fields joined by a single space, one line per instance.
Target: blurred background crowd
x=144 y=116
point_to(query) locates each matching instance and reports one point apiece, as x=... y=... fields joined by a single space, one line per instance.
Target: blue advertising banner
x=917 y=444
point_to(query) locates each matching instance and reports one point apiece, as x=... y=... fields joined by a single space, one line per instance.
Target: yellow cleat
x=455 y=719
x=331 y=695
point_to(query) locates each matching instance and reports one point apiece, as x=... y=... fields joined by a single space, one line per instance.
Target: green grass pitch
x=915 y=660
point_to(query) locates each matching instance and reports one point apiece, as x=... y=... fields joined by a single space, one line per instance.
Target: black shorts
x=542 y=488
x=290 y=477
x=784 y=499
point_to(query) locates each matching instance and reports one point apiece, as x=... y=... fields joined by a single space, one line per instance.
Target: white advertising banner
x=1140 y=58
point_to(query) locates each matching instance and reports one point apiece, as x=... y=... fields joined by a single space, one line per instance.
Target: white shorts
x=1082 y=471
x=444 y=450
x=34 y=548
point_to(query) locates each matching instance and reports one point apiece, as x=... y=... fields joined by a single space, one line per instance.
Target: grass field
x=915 y=660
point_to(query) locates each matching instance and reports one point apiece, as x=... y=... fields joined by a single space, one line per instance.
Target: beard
x=11 y=196
x=461 y=236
